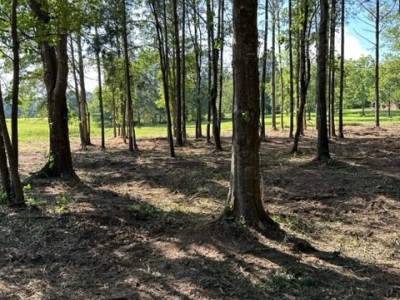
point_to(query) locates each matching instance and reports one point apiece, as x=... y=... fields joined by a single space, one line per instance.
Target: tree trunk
x=322 y=53
x=82 y=96
x=4 y=172
x=377 y=97
x=183 y=73
x=164 y=63
x=178 y=81
x=341 y=89
x=273 y=71
x=77 y=96
x=18 y=194
x=16 y=78
x=291 y=95
x=304 y=70
x=245 y=186
x=131 y=127
x=264 y=74
x=332 y=72
x=101 y=108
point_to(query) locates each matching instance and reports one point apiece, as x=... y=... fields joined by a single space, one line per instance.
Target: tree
x=291 y=77
x=264 y=72
x=341 y=80
x=322 y=54
x=163 y=50
x=16 y=185
x=245 y=185
x=55 y=69
x=304 y=69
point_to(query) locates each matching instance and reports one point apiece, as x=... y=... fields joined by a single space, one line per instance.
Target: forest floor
x=145 y=226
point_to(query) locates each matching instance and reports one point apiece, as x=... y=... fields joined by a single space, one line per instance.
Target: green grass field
x=36 y=129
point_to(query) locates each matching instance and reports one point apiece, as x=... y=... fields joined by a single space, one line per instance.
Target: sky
x=355 y=46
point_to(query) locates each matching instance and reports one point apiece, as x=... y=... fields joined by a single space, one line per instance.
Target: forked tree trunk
x=55 y=69
x=245 y=186
x=17 y=191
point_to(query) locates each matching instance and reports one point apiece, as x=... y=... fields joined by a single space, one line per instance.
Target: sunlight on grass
x=37 y=129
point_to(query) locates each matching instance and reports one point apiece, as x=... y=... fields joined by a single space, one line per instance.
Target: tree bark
x=17 y=190
x=16 y=78
x=245 y=187
x=4 y=172
x=131 y=127
x=291 y=77
x=98 y=65
x=332 y=72
x=264 y=73
x=82 y=95
x=377 y=40
x=178 y=80
x=341 y=88
x=322 y=54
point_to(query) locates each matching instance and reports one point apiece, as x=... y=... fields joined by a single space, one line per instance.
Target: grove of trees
x=190 y=61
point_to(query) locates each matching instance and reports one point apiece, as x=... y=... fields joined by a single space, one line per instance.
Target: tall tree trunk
x=55 y=69
x=322 y=54
x=332 y=72
x=131 y=127
x=221 y=38
x=197 y=53
x=77 y=96
x=280 y=70
x=377 y=97
x=164 y=63
x=183 y=72
x=214 y=75
x=18 y=194
x=101 y=108
x=341 y=89
x=245 y=186
x=82 y=96
x=178 y=81
x=16 y=78
x=291 y=77
x=273 y=72
x=264 y=73
x=304 y=71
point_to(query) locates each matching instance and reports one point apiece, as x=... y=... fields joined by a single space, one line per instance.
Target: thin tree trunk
x=341 y=89
x=377 y=100
x=291 y=78
x=4 y=172
x=178 y=80
x=131 y=127
x=332 y=72
x=264 y=73
x=16 y=78
x=76 y=84
x=273 y=72
x=17 y=189
x=101 y=108
x=304 y=76
x=183 y=71
x=164 y=63
x=82 y=97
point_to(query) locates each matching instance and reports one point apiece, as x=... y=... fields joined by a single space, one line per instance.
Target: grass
x=36 y=129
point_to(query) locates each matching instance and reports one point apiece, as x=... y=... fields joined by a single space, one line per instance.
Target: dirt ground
x=145 y=226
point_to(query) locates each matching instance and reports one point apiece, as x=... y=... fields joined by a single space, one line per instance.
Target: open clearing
x=145 y=226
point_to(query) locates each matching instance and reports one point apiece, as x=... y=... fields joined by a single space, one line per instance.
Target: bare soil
x=145 y=226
